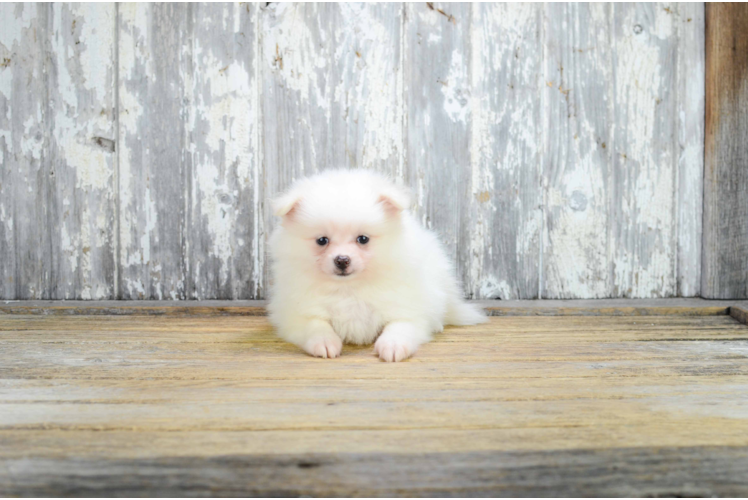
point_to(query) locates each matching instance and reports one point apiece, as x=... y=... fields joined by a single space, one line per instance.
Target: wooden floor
x=213 y=404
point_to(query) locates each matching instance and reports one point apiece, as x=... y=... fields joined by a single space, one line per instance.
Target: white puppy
x=351 y=264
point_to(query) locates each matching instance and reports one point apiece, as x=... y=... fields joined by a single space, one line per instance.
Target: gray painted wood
x=154 y=160
x=643 y=151
x=82 y=201
x=576 y=91
x=57 y=208
x=690 y=150
x=725 y=242
x=224 y=255
x=26 y=259
x=556 y=149
x=504 y=221
x=437 y=102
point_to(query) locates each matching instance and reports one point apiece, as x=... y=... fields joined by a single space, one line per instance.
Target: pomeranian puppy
x=352 y=265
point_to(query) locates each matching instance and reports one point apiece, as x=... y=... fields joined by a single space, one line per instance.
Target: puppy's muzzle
x=342 y=262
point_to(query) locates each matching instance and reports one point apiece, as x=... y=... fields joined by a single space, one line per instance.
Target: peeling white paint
x=366 y=48
x=97 y=38
x=490 y=288
x=69 y=248
x=31 y=143
x=15 y=23
x=291 y=49
x=456 y=89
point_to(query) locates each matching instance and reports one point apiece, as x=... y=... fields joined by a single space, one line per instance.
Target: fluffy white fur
x=398 y=288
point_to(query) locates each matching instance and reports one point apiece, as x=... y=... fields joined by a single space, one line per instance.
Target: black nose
x=342 y=261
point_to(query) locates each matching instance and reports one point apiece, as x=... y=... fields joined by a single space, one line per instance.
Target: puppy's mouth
x=342 y=273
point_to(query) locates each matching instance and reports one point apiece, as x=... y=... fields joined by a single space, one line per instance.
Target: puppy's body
x=398 y=285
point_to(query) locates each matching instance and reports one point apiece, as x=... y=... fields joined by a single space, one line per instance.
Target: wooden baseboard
x=598 y=307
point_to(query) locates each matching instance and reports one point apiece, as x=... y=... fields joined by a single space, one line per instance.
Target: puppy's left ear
x=395 y=199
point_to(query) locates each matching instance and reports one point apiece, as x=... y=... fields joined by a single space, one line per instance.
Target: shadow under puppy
x=351 y=264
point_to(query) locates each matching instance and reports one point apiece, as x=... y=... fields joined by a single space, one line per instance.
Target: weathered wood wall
x=557 y=149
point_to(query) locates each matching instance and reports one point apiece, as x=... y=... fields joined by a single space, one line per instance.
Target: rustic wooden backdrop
x=558 y=149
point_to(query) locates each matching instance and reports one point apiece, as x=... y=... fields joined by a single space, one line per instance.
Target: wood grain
x=169 y=405
x=740 y=314
x=678 y=472
x=725 y=242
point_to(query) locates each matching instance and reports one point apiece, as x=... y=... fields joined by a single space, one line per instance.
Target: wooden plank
x=623 y=310
x=363 y=366
x=251 y=330
x=725 y=242
x=154 y=157
x=27 y=266
x=680 y=472
x=81 y=201
x=503 y=213
x=57 y=208
x=601 y=307
x=99 y=324
x=661 y=409
x=614 y=346
x=643 y=151
x=331 y=92
x=57 y=444
x=175 y=309
x=577 y=167
x=224 y=254
x=263 y=340
x=689 y=20
x=112 y=391
x=437 y=70
x=740 y=314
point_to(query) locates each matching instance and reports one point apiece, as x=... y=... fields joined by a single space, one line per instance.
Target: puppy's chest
x=355 y=321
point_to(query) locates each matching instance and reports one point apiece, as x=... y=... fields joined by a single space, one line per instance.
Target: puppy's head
x=341 y=222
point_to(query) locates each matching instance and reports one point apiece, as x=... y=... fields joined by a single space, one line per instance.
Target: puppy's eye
x=322 y=241
x=363 y=239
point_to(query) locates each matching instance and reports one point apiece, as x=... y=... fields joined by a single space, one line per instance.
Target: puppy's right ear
x=286 y=205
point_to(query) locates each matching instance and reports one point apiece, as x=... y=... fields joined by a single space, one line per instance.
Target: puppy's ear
x=287 y=204
x=395 y=199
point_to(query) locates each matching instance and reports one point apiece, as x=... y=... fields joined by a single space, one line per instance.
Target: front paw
x=324 y=346
x=391 y=348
